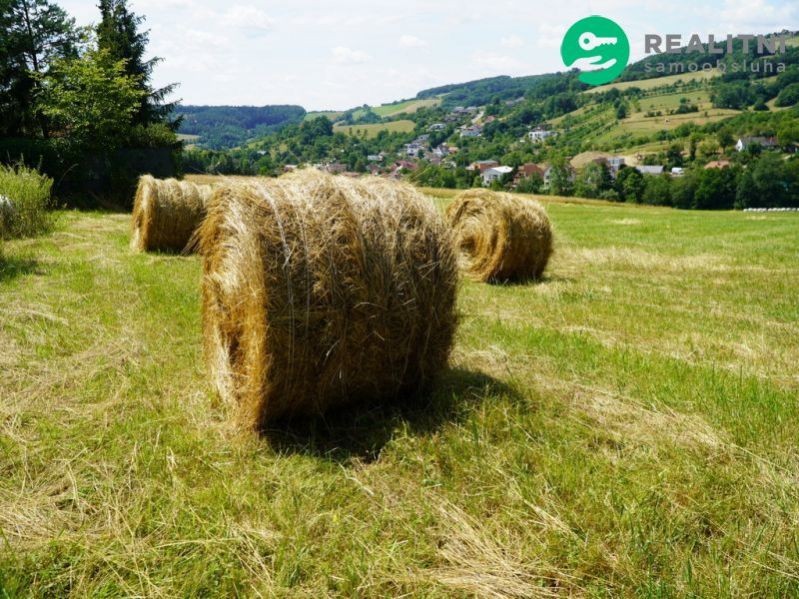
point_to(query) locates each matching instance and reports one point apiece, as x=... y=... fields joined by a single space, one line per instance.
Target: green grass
x=601 y=128
x=372 y=131
x=627 y=427
x=649 y=84
x=331 y=114
x=407 y=107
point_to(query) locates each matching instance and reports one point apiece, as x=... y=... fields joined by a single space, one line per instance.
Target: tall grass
x=26 y=212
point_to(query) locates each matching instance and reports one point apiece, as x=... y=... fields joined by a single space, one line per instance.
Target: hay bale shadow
x=12 y=267
x=546 y=279
x=360 y=432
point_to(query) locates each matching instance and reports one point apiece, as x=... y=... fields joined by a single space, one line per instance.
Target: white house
x=650 y=170
x=615 y=163
x=442 y=151
x=539 y=134
x=767 y=143
x=413 y=149
x=495 y=174
x=474 y=131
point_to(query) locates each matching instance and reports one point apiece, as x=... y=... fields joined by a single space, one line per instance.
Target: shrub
x=788 y=96
x=611 y=195
x=25 y=212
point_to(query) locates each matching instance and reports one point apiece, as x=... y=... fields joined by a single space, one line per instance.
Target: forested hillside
x=484 y=91
x=222 y=127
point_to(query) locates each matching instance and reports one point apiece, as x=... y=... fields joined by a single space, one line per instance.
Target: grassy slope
x=601 y=128
x=649 y=84
x=628 y=424
x=386 y=110
x=372 y=130
x=331 y=114
x=407 y=107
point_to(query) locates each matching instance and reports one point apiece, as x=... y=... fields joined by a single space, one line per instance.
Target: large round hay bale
x=319 y=291
x=500 y=237
x=166 y=214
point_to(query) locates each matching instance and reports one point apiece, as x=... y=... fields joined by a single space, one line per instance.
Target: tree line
x=79 y=101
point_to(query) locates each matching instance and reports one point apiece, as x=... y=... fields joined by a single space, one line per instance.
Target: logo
x=598 y=47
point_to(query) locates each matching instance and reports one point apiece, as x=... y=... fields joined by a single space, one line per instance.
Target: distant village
x=472 y=120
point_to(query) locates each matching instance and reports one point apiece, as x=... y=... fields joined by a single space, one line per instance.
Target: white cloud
x=142 y=5
x=411 y=41
x=198 y=38
x=344 y=55
x=512 y=41
x=247 y=17
x=498 y=63
x=755 y=16
x=258 y=52
x=551 y=36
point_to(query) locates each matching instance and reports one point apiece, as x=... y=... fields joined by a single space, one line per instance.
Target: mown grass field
x=407 y=107
x=649 y=84
x=371 y=131
x=333 y=115
x=627 y=427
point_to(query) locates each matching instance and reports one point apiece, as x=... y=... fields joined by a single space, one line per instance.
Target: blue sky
x=336 y=54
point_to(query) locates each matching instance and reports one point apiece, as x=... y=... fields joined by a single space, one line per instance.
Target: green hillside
x=222 y=127
x=671 y=120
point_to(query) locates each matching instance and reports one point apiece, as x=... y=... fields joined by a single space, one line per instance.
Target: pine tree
x=33 y=33
x=119 y=32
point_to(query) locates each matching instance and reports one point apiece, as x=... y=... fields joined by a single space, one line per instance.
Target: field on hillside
x=649 y=84
x=601 y=128
x=407 y=107
x=626 y=427
x=386 y=110
x=333 y=115
x=371 y=131
x=189 y=140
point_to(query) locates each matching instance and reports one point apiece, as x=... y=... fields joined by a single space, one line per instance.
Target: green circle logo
x=598 y=47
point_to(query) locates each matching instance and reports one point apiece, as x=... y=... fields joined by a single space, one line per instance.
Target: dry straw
x=500 y=237
x=166 y=213
x=319 y=291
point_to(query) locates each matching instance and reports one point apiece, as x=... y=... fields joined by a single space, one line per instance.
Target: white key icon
x=589 y=41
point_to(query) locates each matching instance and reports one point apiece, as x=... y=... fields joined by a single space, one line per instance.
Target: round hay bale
x=500 y=237
x=166 y=214
x=320 y=291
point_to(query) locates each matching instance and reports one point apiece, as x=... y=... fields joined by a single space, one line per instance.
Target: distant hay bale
x=166 y=213
x=500 y=237
x=320 y=291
